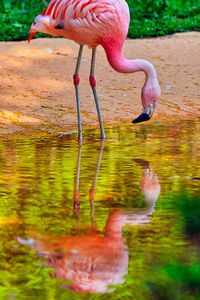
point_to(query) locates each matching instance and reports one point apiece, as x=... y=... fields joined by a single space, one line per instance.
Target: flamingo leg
x=76 y=188
x=76 y=84
x=93 y=86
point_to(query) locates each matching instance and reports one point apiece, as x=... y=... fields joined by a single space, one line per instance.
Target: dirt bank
x=37 y=93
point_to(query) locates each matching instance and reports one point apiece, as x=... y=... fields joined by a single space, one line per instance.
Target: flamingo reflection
x=94 y=261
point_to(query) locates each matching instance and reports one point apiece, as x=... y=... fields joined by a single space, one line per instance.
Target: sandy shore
x=37 y=92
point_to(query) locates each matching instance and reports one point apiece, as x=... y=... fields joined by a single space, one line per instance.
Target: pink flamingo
x=93 y=23
x=93 y=260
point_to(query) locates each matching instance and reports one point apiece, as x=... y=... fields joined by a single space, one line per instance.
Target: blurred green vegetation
x=161 y=17
x=148 y=18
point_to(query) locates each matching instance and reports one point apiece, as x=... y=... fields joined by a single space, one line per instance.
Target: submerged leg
x=93 y=85
x=76 y=188
x=76 y=84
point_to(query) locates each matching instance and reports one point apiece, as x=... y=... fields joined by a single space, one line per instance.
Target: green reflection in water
x=44 y=233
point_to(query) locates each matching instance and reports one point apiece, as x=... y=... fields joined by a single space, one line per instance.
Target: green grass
x=148 y=18
x=161 y=17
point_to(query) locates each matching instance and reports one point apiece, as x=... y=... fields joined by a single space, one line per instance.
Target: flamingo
x=94 y=23
x=94 y=260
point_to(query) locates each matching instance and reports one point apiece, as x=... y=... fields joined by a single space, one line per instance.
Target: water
x=102 y=220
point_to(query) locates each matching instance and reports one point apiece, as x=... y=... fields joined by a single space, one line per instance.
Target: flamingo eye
x=34 y=23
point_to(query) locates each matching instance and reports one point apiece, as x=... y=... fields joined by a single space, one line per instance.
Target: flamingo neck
x=115 y=222
x=119 y=63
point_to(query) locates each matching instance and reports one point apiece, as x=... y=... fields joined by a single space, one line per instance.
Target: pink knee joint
x=92 y=81
x=76 y=79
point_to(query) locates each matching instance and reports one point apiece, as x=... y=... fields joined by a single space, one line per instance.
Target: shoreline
x=37 y=92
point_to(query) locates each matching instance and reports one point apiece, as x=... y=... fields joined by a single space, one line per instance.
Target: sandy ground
x=37 y=92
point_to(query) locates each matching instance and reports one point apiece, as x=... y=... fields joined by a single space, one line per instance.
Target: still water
x=102 y=220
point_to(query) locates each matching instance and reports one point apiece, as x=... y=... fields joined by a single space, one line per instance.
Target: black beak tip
x=142 y=118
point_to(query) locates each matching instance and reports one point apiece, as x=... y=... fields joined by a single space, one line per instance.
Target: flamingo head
x=150 y=95
x=45 y=24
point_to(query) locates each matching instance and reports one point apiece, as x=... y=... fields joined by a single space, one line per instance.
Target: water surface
x=102 y=220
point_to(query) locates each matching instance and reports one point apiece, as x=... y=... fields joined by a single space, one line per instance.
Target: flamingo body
x=87 y=22
x=93 y=23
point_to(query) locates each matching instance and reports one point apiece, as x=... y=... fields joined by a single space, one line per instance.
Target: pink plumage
x=88 y=22
x=93 y=23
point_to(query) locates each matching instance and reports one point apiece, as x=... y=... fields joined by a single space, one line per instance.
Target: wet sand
x=37 y=92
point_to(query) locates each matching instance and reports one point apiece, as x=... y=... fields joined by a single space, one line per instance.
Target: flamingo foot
x=61 y=134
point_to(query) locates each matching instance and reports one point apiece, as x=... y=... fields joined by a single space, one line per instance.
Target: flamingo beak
x=31 y=35
x=146 y=115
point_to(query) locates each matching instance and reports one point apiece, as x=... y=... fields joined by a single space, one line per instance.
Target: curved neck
x=114 y=224
x=119 y=63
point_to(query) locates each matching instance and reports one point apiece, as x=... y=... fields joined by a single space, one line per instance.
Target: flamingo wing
x=86 y=21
